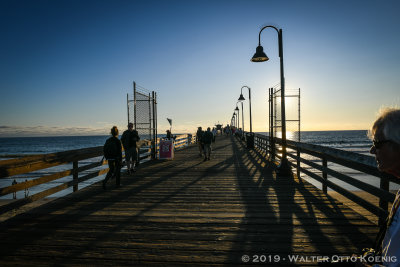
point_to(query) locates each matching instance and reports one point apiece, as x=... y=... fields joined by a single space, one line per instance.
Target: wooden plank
x=187 y=212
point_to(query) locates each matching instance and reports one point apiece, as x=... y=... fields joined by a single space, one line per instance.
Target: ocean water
x=355 y=141
x=22 y=146
x=45 y=145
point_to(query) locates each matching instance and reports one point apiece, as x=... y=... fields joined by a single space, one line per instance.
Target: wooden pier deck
x=188 y=212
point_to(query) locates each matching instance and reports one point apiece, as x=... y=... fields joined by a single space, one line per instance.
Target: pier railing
x=75 y=164
x=317 y=158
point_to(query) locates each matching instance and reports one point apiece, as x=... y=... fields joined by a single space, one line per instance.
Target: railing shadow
x=41 y=220
x=291 y=212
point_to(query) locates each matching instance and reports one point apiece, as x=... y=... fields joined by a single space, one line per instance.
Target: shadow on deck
x=188 y=212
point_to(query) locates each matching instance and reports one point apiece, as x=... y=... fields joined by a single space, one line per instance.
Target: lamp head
x=259 y=56
x=237 y=108
x=241 y=98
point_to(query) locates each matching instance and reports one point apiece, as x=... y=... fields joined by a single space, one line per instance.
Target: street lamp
x=241 y=99
x=260 y=56
x=238 y=116
x=249 y=137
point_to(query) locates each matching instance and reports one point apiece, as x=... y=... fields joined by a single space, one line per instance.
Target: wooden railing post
x=272 y=146
x=75 y=175
x=153 y=149
x=189 y=137
x=298 y=162
x=324 y=174
x=383 y=204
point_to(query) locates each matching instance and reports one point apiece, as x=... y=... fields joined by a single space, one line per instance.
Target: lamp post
x=238 y=116
x=241 y=99
x=242 y=119
x=260 y=56
x=250 y=137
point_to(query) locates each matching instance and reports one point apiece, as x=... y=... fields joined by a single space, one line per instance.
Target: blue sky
x=66 y=66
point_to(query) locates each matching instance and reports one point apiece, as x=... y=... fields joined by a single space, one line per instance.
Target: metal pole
x=238 y=118
x=155 y=118
x=251 y=124
x=149 y=115
x=242 y=120
x=127 y=105
x=272 y=131
x=153 y=142
x=284 y=168
x=269 y=119
x=134 y=104
x=299 y=116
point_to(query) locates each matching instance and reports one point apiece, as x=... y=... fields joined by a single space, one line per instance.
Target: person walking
x=207 y=140
x=214 y=132
x=113 y=153
x=199 y=136
x=129 y=139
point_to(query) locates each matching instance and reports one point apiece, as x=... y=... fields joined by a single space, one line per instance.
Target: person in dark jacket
x=113 y=154
x=129 y=139
x=170 y=136
x=207 y=139
x=199 y=136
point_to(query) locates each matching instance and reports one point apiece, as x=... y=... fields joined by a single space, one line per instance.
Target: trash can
x=166 y=149
x=250 y=140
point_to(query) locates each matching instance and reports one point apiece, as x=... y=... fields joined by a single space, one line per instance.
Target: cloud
x=41 y=130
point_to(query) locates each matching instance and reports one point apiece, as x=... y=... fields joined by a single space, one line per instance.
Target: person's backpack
x=207 y=137
x=110 y=149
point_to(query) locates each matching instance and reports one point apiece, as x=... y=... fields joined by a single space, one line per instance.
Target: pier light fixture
x=241 y=99
x=283 y=168
x=238 y=116
x=259 y=56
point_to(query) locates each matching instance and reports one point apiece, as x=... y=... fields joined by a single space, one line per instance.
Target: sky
x=67 y=66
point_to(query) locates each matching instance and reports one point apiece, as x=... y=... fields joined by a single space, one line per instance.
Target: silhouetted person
x=113 y=153
x=170 y=136
x=207 y=139
x=129 y=139
x=214 y=132
x=199 y=136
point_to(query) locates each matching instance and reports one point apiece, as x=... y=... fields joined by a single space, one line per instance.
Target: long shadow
x=279 y=218
x=221 y=166
x=268 y=227
x=30 y=222
x=36 y=220
x=254 y=237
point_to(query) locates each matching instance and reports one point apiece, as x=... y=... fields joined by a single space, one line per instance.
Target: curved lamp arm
x=279 y=32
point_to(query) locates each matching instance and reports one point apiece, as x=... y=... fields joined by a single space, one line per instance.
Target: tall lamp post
x=241 y=99
x=238 y=116
x=260 y=56
x=249 y=138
